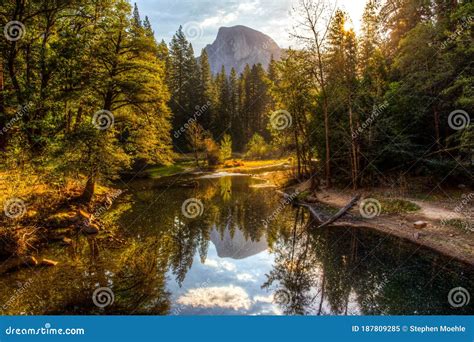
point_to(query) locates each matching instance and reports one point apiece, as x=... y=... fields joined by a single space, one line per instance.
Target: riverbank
x=37 y=213
x=444 y=225
x=52 y=215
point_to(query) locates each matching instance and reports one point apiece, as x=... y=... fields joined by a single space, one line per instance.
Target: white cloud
x=269 y=16
x=246 y=277
x=220 y=264
x=264 y=299
x=218 y=20
x=248 y=6
x=226 y=297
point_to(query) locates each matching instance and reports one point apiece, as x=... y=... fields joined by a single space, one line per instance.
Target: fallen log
x=341 y=212
x=312 y=209
x=316 y=214
x=293 y=199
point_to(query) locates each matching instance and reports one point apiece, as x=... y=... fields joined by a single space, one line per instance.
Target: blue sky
x=201 y=19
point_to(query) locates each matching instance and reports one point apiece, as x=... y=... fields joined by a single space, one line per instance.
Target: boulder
x=90 y=229
x=420 y=224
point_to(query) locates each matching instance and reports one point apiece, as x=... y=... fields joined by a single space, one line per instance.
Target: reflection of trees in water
x=187 y=238
x=397 y=278
x=136 y=276
x=141 y=282
x=295 y=274
x=326 y=271
x=244 y=210
x=229 y=204
x=225 y=186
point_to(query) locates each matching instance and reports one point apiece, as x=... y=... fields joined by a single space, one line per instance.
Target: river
x=238 y=251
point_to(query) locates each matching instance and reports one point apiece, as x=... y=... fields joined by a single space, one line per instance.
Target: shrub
x=257 y=148
x=226 y=148
x=212 y=152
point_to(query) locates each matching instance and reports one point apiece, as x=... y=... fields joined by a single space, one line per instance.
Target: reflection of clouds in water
x=221 y=265
x=246 y=274
x=263 y=299
x=226 y=297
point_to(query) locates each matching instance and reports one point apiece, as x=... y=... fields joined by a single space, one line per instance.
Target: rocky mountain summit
x=238 y=46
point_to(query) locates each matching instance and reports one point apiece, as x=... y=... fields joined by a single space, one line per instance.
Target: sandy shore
x=443 y=238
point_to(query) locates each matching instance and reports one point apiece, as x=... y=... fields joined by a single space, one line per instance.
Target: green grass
x=303 y=195
x=463 y=225
x=164 y=171
x=398 y=206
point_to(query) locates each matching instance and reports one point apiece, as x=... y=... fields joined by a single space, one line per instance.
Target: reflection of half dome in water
x=237 y=247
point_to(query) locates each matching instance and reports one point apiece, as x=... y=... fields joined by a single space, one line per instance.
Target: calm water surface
x=229 y=262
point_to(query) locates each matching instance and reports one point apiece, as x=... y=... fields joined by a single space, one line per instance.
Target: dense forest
x=86 y=90
x=127 y=163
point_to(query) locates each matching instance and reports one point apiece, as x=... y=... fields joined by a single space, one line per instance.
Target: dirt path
x=437 y=235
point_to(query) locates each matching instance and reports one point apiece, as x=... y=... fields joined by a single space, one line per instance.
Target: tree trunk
x=3 y=118
x=437 y=129
x=328 y=148
x=354 y=156
x=89 y=190
x=196 y=156
x=78 y=118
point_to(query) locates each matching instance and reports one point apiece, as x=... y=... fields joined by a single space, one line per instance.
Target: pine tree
x=147 y=27
x=343 y=83
x=206 y=90
x=236 y=124
x=136 y=21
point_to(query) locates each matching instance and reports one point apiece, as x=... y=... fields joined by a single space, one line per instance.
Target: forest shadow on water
x=233 y=259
